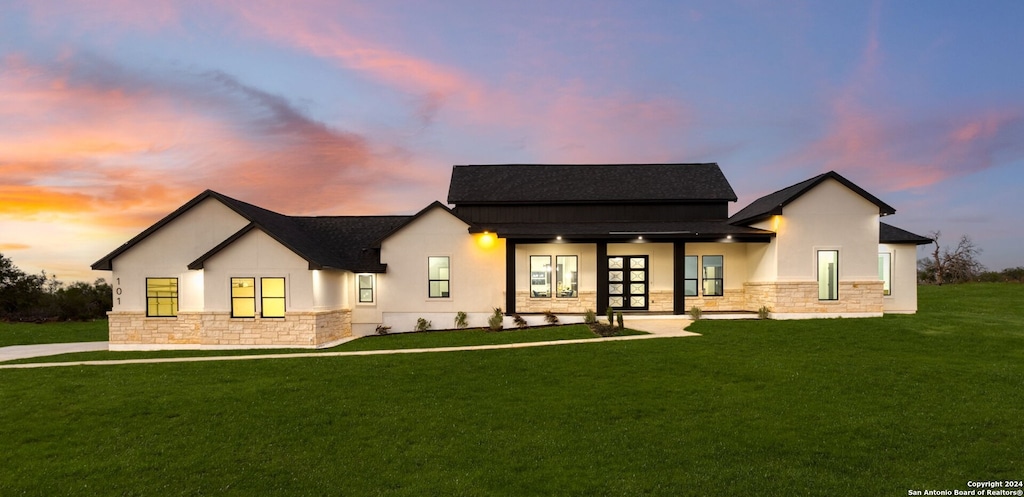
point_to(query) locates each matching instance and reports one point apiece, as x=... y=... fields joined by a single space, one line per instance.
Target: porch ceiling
x=654 y=231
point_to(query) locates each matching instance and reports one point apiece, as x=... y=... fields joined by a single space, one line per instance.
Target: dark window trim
x=448 y=280
x=158 y=298
x=547 y=277
x=703 y=289
x=282 y=298
x=233 y=298
x=558 y=276
x=696 y=281
x=817 y=270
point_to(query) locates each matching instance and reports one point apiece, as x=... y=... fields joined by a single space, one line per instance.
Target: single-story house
x=640 y=238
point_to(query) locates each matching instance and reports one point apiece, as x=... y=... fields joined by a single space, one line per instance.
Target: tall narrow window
x=566 y=274
x=243 y=297
x=272 y=297
x=828 y=275
x=365 y=283
x=885 y=272
x=161 y=297
x=438 y=277
x=690 y=276
x=713 y=279
x=540 y=276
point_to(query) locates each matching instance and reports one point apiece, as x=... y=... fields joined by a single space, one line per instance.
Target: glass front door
x=627 y=282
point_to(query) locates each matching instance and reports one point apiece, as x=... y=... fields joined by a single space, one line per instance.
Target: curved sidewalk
x=666 y=328
x=14 y=352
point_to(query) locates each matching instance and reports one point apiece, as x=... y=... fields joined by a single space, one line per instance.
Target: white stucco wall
x=477 y=274
x=763 y=258
x=257 y=255
x=734 y=261
x=903 y=298
x=828 y=217
x=167 y=252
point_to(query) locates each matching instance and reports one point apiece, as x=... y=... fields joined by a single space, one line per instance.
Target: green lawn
x=31 y=333
x=850 y=407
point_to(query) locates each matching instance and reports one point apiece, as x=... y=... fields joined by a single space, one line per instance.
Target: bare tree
x=956 y=266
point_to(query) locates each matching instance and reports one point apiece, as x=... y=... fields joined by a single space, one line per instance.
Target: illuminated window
x=438 y=277
x=885 y=272
x=243 y=297
x=365 y=284
x=690 y=276
x=566 y=273
x=161 y=297
x=713 y=280
x=272 y=297
x=540 y=276
x=828 y=275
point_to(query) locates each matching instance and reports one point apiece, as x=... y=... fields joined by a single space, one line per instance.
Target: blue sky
x=113 y=113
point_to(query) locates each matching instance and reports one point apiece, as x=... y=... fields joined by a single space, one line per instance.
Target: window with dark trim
x=714 y=283
x=364 y=282
x=690 y=276
x=828 y=275
x=885 y=272
x=438 y=277
x=566 y=276
x=272 y=303
x=243 y=297
x=540 y=276
x=161 y=297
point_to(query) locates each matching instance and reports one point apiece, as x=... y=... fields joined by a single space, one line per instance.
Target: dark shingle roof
x=591 y=183
x=772 y=204
x=339 y=242
x=888 y=233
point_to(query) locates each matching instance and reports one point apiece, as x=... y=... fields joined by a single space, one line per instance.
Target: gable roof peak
x=773 y=203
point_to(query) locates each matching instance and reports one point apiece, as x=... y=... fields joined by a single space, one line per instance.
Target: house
x=641 y=238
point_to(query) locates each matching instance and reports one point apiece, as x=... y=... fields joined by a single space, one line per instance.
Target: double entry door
x=627 y=282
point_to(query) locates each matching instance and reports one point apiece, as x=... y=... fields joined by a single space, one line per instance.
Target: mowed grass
x=824 y=407
x=32 y=333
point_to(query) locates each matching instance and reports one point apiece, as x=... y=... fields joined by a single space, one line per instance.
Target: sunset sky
x=115 y=112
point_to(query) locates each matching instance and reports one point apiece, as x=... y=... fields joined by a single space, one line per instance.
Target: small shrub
x=550 y=318
x=611 y=316
x=495 y=321
x=423 y=324
x=763 y=312
x=618 y=319
x=519 y=321
x=589 y=317
x=604 y=330
x=695 y=313
x=461 y=321
x=383 y=330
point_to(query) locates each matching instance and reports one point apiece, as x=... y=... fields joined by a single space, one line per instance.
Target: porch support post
x=602 y=278
x=679 y=278
x=510 y=276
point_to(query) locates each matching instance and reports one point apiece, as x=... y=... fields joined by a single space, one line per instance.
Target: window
x=438 y=277
x=272 y=297
x=566 y=271
x=828 y=275
x=690 y=276
x=365 y=284
x=540 y=276
x=243 y=297
x=161 y=297
x=713 y=282
x=885 y=272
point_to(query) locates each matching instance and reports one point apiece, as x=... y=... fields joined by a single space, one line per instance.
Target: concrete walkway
x=14 y=352
x=657 y=328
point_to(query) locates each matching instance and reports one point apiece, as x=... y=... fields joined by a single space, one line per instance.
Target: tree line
x=41 y=297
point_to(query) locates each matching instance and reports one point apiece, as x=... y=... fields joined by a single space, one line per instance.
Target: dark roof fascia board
x=433 y=205
x=200 y=262
x=805 y=186
x=106 y=263
x=892 y=235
